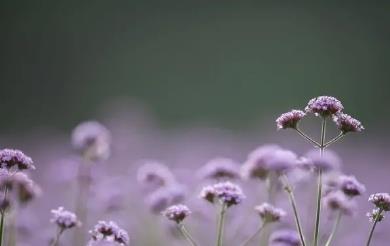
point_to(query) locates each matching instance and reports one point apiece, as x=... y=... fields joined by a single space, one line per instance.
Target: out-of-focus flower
x=350 y=186
x=164 y=197
x=289 y=119
x=284 y=238
x=92 y=140
x=15 y=160
x=177 y=212
x=64 y=219
x=337 y=201
x=266 y=159
x=346 y=123
x=324 y=106
x=23 y=188
x=110 y=232
x=226 y=192
x=380 y=200
x=376 y=214
x=220 y=168
x=154 y=173
x=269 y=213
x=327 y=162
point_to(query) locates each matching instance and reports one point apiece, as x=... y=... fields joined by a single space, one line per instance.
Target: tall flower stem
x=334 y=229
x=305 y=136
x=221 y=222
x=186 y=234
x=373 y=227
x=291 y=197
x=56 y=239
x=335 y=139
x=2 y=219
x=319 y=189
x=257 y=232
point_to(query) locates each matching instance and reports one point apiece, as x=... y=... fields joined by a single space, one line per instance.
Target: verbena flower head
x=220 y=168
x=164 y=197
x=380 y=200
x=346 y=123
x=92 y=139
x=64 y=219
x=22 y=187
x=376 y=214
x=226 y=193
x=154 y=172
x=289 y=119
x=15 y=160
x=284 y=238
x=269 y=213
x=177 y=213
x=324 y=106
x=337 y=201
x=327 y=162
x=110 y=232
x=350 y=186
x=266 y=159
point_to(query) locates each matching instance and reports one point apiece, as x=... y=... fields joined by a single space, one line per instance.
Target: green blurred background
x=226 y=62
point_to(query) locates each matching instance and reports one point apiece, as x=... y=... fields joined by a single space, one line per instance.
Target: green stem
x=335 y=139
x=334 y=229
x=291 y=197
x=2 y=219
x=305 y=136
x=221 y=221
x=319 y=189
x=373 y=227
x=258 y=231
x=186 y=234
x=57 y=237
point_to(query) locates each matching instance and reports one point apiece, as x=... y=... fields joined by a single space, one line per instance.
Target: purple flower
x=380 y=200
x=21 y=185
x=337 y=201
x=92 y=139
x=284 y=238
x=350 y=186
x=110 y=232
x=177 y=213
x=220 y=168
x=269 y=213
x=346 y=123
x=376 y=214
x=324 y=106
x=13 y=159
x=164 y=197
x=226 y=192
x=154 y=173
x=64 y=219
x=289 y=119
x=327 y=162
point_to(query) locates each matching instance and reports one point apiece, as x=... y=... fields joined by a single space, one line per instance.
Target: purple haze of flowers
x=219 y=168
x=289 y=119
x=110 y=232
x=350 y=186
x=324 y=106
x=164 y=197
x=64 y=219
x=154 y=173
x=327 y=162
x=177 y=213
x=338 y=201
x=13 y=159
x=269 y=213
x=346 y=123
x=284 y=238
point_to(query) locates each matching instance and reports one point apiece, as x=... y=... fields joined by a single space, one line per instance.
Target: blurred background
x=186 y=81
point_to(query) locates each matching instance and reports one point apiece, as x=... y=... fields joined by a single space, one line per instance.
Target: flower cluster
x=226 y=193
x=64 y=219
x=284 y=238
x=152 y=172
x=15 y=160
x=220 y=168
x=382 y=205
x=324 y=106
x=110 y=232
x=269 y=213
x=290 y=119
x=164 y=197
x=177 y=213
x=345 y=123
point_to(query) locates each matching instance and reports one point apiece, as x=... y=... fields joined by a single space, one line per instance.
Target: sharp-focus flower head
x=226 y=193
x=337 y=201
x=350 y=186
x=164 y=197
x=380 y=200
x=269 y=213
x=155 y=173
x=324 y=106
x=92 y=139
x=220 y=168
x=346 y=123
x=110 y=232
x=284 y=238
x=15 y=160
x=177 y=213
x=266 y=159
x=289 y=119
x=327 y=162
x=376 y=214
x=64 y=219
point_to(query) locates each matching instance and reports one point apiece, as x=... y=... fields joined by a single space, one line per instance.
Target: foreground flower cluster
x=220 y=188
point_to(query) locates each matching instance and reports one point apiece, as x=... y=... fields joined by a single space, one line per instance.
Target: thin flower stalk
x=257 y=232
x=305 y=136
x=221 y=222
x=186 y=234
x=377 y=218
x=2 y=219
x=335 y=139
x=334 y=229
x=56 y=239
